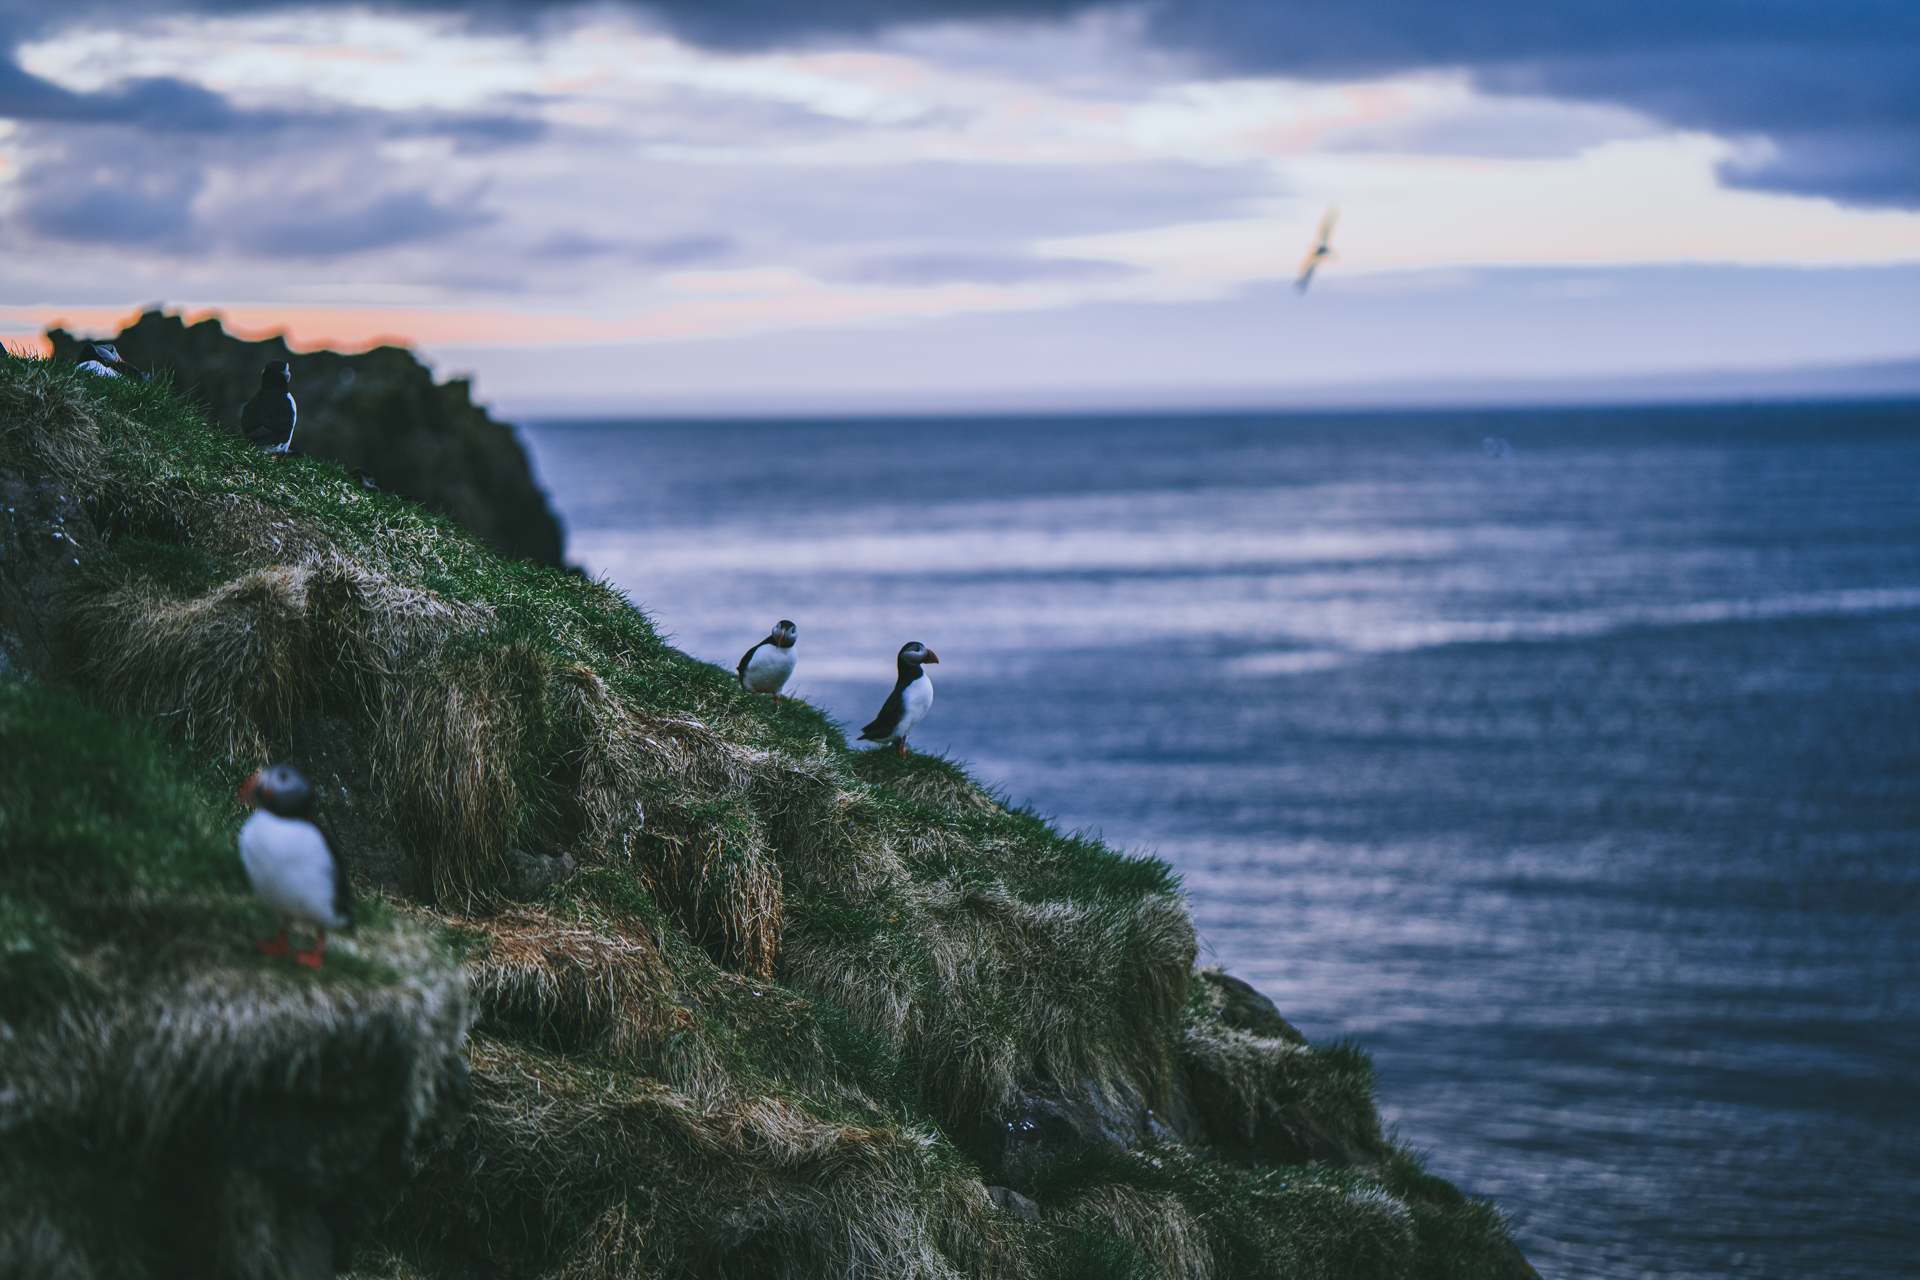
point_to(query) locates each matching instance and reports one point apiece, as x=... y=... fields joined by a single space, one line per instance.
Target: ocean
x=1569 y=761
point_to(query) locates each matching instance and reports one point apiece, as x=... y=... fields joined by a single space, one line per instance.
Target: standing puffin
x=269 y=417
x=289 y=862
x=911 y=699
x=766 y=667
x=101 y=358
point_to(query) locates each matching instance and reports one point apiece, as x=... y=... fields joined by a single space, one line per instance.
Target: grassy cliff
x=658 y=979
x=379 y=412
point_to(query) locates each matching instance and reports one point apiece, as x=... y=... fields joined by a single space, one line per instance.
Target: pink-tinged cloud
x=721 y=305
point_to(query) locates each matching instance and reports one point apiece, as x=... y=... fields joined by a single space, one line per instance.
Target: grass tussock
x=736 y=1039
x=620 y=1174
x=140 y=1033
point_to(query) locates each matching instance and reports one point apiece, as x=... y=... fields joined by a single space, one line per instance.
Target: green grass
x=870 y=944
x=103 y=830
x=1286 y=1221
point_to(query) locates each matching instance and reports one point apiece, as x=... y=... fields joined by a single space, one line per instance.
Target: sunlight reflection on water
x=1581 y=787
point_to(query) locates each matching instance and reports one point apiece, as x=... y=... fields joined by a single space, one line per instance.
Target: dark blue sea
x=1568 y=760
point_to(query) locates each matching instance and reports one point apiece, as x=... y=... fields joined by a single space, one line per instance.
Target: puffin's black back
x=268 y=418
x=896 y=704
x=890 y=711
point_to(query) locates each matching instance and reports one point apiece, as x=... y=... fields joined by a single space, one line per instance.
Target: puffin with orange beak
x=289 y=862
x=766 y=667
x=911 y=699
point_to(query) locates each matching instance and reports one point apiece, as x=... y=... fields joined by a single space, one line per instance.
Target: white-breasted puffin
x=269 y=418
x=101 y=358
x=289 y=861
x=766 y=667
x=911 y=699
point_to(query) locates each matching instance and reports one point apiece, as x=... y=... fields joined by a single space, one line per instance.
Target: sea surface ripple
x=1568 y=760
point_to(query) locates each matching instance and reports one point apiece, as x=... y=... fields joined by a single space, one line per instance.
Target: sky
x=749 y=206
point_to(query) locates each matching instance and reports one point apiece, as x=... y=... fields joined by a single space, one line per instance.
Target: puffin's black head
x=784 y=634
x=916 y=653
x=279 y=789
x=101 y=351
x=275 y=377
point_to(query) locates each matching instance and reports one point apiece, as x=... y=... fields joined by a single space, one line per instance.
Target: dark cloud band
x=1828 y=90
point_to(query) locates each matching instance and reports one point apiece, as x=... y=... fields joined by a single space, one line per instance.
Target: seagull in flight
x=1319 y=253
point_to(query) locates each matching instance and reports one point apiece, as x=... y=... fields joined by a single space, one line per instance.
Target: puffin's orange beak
x=245 y=794
x=931 y=657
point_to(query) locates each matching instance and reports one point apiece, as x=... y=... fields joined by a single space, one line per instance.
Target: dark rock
x=1245 y=1009
x=45 y=540
x=1518 y=1268
x=530 y=875
x=1282 y=1133
x=379 y=414
x=1040 y=1127
x=1006 y=1198
x=334 y=755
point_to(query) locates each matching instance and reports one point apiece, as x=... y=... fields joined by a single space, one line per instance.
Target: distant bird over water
x=289 y=862
x=103 y=359
x=268 y=419
x=1320 y=252
x=911 y=699
x=766 y=667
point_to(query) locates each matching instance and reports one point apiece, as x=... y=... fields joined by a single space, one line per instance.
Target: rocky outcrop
x=379 y=413
x=44 y=534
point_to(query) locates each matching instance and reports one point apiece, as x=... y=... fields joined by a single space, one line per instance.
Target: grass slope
x=743 y=1035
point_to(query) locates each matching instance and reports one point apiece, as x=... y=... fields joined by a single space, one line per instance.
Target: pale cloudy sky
x=744 y=204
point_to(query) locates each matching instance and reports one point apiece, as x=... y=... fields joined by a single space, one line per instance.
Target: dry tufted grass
x=233 y=668
x=757 y=1187
x=49 y=426
x=565 y=983
x=1156 y=1223
x=1071 y=992
x=725 y=1046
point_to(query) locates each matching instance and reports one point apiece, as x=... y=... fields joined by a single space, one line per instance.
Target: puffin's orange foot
x=278 y=947
x=903 y=746
x=311 y=959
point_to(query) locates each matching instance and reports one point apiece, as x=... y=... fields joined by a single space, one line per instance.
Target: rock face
x=44 y=534
x=379 y=412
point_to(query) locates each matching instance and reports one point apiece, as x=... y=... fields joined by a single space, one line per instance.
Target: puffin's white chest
x=768 y=669
x=918 y=700
x=290 y=867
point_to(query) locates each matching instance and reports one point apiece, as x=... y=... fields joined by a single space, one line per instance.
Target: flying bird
x=101 y=358
x=289 y=861
x=1320 y=252
x=268 y=419
x=911 y=699
x=766 y=667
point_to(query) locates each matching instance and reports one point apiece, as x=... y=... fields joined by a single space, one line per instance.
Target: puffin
x=911 y=699
x=767 y=666
x=101 y=358
x=290 y=862
x=269 y=417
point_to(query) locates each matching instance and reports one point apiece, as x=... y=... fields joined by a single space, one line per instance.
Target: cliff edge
x=658 y=979
x=379 y=412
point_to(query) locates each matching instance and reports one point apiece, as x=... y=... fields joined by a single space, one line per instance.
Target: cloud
x=979 y=268
x=110 y=193
x=1834 y=85
x=1831 y=86
x=159 y=103
x=305 y=227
